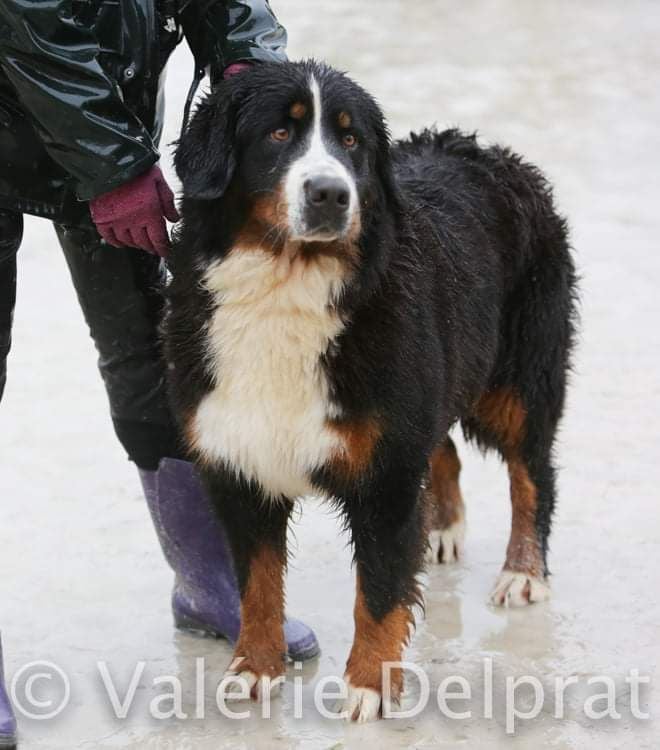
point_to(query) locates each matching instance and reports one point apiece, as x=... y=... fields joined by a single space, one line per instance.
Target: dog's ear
x=205 y=157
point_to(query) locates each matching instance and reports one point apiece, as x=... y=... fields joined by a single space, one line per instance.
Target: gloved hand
x=234 y=68
x=134 y=214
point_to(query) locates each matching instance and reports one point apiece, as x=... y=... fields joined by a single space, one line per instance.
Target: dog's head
x=299 y=146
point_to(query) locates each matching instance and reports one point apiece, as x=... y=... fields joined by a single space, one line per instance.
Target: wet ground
x=576 y=88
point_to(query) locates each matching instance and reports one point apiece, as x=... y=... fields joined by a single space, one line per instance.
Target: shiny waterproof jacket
x=81 y=85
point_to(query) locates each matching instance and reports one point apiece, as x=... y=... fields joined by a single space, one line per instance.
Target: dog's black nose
x=329 y=194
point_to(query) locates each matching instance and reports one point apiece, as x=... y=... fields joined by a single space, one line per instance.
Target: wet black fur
x=465 y=285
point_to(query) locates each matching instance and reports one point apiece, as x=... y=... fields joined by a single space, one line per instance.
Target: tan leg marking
x=261 y=648
x=375 y=642
x=523 y=554
x=522 y=580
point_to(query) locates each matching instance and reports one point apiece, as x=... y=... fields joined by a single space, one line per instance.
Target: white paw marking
x=362 y=704
x=244 y=684
x=518 y=590
x=451 y=540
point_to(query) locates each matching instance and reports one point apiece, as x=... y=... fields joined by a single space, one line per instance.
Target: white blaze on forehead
x=317 y=148
x=316 y=161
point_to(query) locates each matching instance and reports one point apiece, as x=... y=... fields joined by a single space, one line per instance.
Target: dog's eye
x=349 y=140
x=281 y=134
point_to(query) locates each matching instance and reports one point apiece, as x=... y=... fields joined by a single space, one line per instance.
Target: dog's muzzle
x=326 y=203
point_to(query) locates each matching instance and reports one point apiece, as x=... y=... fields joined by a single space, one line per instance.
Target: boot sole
x=190 y=625
x=7 y=743
x=196 y=627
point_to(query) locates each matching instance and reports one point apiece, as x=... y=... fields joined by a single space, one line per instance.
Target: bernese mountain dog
x=337 y=303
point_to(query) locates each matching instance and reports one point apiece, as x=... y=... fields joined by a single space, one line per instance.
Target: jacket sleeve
x=229 y=31
x=78 y=111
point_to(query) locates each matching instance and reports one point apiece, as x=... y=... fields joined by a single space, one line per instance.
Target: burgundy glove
x=132 y=214
x=234 y=68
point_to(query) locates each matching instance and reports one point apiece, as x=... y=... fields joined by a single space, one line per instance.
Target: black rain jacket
x=81 y=87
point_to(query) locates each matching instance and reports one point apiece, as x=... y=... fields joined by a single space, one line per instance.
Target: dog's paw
x=364 y=704
x=361 y=704
x=446 y=545
x=518 y=590
x=240 y=682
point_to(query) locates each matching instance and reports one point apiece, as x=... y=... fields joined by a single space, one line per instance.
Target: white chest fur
x=266 y=415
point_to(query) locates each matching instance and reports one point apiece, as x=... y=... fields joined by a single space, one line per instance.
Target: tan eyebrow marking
x=298 y=110
x=344 y=120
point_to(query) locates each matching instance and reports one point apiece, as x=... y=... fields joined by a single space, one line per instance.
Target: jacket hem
x=86 y=193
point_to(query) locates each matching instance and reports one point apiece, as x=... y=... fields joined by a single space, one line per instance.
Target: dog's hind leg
x=444 y=505
x=523 y=579
x=519 y=414
x=500 y=418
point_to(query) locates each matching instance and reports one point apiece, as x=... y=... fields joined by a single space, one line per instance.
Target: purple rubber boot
x=205 y=597
x=7 y=718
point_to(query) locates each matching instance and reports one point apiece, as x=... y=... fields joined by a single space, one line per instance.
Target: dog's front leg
x=387 y=530
x=256 y=527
